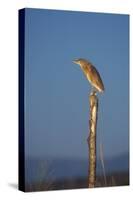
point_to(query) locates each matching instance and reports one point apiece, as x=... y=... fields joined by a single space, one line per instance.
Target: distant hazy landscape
x=61 y=173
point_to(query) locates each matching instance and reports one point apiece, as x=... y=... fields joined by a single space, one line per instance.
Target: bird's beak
x=75 y=61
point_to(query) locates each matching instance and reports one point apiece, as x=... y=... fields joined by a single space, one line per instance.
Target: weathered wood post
x=93 y=101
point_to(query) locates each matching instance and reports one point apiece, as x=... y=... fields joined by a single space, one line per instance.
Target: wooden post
x=93 y=100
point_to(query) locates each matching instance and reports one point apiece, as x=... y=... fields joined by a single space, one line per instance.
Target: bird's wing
x=97 y=81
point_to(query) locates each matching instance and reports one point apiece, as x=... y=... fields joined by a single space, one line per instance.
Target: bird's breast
x=87 y=72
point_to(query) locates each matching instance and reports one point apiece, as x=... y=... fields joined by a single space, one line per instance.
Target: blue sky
x=56 y=91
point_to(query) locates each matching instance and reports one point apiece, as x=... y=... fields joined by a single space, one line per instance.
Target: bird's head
x=80 y=61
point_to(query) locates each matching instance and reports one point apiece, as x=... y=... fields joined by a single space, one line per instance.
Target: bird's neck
x=85 y=66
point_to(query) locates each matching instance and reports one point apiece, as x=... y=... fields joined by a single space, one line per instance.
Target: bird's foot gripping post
x=93 y=100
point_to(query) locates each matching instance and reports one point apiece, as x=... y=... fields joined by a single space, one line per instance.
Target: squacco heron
x=91 y=74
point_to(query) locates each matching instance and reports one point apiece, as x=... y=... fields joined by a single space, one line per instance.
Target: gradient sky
x=56 y=91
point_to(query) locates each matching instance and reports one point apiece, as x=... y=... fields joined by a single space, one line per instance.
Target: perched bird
x=91 y=74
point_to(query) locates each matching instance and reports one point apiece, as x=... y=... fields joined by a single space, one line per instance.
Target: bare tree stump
x=93 y=100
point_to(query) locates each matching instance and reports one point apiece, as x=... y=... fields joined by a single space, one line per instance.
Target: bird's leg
x=93 y=91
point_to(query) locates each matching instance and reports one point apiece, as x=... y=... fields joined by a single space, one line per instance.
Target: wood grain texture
x=93 y=100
